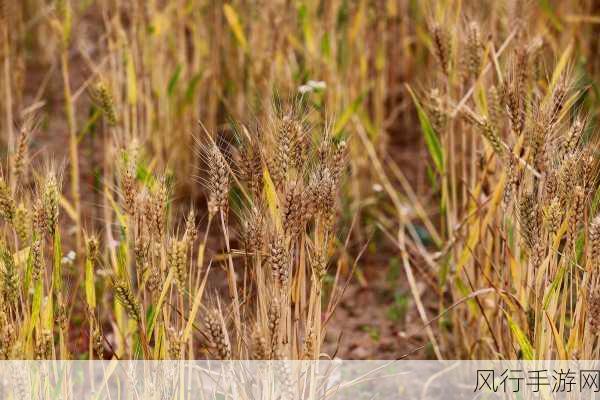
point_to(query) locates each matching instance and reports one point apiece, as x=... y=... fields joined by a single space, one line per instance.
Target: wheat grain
x=7 y=202
x=37 y=261
x=278 y=260
x=218 y=336
x=125 y=296
x=177 y=260
x=594 y=233
x=22 y=223
x=442 y=46
x=218 y=180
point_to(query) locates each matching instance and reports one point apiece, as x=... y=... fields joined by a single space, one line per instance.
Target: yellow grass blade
x=560 y=347
x=271 y=197
x=195 y=306
x=90 y=290
x=521 y=338
x=236 y=27
x=131 y=79
x=563 y=63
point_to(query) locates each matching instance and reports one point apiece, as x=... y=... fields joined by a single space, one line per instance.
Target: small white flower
x=305 y=89
x=317 y=85
x=312 y=86
x=377 y=187
x=69 y=258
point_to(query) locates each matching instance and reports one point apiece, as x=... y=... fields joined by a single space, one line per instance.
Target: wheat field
x=299 y=180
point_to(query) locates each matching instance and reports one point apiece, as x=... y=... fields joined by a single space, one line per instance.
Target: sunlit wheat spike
x=141 y=250
x=285 y=140
x=319 y=264
x=300 y=147
x=338 y=160
x=564 y=176
x=7 y=335
x=155 y=211
x=98 y=341
x=104 y=100
x=576 y=212
x=588 y=176
x=37 y=260
x=494 y=108
x=559 y=95
x=550 y=185
x=19 y=163
x=44 y=345
x=278 y=260
x=571 y=140
x=516 y=88
x=435 y=106
x=253 y=224
x=441 y=41
x=128 y=187
x=10 y=278
x=529 y=220
x=293 y=210
x=127 y=299
x=218 y=335
x=50 y=201
x=594 y=311
x=489 y=132
x=594 y=232
x=309 y=345
x=324 y=187
x=274 y=319
x=22 y=223
x=512 y=183
x=553 y=216
x=191 y=229
x=251 y=167
x=218 y=180
x=154 y=280
x=175 y=344
x=537 y=134
x=39 y=218
x=474 y=49
x=177 y=260
x=7 y=202
x=521 y=67
x=259 y=346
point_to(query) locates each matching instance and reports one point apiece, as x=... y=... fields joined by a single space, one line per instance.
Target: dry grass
x=517 y=166
x=151 y=281
x=160 y=237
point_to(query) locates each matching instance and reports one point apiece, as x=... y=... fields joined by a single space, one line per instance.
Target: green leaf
x=521 y=338
x=553 y=18
x=173 y=81
x=397 y=311
x=347 y=114
x=150 y=316
x=305 y=23
x=431 y=139
x=191 y=88
x=554 y=286
x=57 y=271
x=444 y=271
